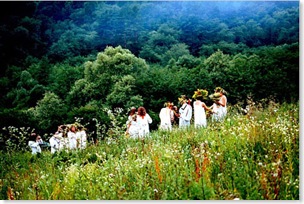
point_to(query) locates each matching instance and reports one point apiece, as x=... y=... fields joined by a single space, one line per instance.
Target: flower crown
x=182 y=99
x=220 y=90
x=168 y=104
x=200 y=93
x=215 y=96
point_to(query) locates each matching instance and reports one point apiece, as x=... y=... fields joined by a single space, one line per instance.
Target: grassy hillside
x=253 y=156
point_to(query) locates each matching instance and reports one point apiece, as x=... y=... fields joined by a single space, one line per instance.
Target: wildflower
x=155 y=190
x=279 y=162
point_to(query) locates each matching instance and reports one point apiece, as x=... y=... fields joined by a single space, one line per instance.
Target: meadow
x=246 y=157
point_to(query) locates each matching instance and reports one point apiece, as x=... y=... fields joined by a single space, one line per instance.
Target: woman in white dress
x=81 y=137
x=143 y=120
x=133 y=127
x=219 y=107
x=59 y=140
x=131 y=113
x=72 y=137
x=166 y=116
x=200 y=107
x=55 y=142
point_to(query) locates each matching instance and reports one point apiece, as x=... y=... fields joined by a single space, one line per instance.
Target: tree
x=27 y=91
x=49 y=112
x=217 y=64
x=100 y=75
x=159 y=42
x=242 y=76
x=123 y=94
x=175 y=52
x=62 y=77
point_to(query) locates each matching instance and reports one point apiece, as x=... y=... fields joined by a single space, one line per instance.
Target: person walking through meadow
x=72 y=137
x=58 y=141
x=133 y=127
x=130 y=118
x=34 y=143
x=166 y=116
x=185 y=112
x=200 y=107
x=143 y=120
x=81 y=136
x=219 y=106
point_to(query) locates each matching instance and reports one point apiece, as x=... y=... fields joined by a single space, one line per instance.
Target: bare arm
x=205 y=107
x=222 y=101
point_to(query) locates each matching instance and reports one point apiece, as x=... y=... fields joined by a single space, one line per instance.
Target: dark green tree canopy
x=85 y=56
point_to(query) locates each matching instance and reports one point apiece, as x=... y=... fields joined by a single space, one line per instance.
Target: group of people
x=138 y=122
x=74 y=136
x=218 y=109
x=70 y=137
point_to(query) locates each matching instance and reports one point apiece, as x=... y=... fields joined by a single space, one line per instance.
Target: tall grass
x=251 y=157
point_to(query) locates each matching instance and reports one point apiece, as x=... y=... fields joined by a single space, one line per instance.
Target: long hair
x=132 y=111
x=141 y=112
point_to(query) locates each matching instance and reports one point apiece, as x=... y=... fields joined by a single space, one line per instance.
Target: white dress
x=185 y=115
x=81 y=136
x=72 y=140
x=199 y=114
x=57 y=142
x=133 y=129
x=143 y=125
x=166 y=116
x=220 y=112
x=129 y=120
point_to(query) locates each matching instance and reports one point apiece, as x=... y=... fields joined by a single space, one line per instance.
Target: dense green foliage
x=252 y=157
x=61 y=60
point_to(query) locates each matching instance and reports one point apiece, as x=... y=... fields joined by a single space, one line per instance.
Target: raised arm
x=205 y=107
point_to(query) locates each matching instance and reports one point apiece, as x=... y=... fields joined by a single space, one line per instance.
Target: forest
x=65 y=60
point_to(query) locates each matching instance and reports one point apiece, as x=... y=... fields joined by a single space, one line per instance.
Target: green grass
x=252 y=157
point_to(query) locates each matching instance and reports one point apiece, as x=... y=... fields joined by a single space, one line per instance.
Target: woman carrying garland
x=200 y=108
x=219 y=107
